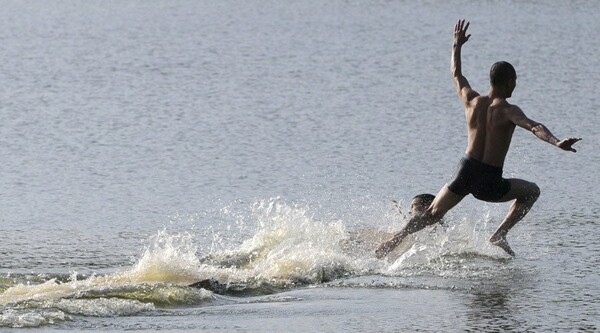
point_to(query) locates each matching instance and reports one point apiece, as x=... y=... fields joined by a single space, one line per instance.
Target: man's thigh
x=520 y=189
x=444 y=201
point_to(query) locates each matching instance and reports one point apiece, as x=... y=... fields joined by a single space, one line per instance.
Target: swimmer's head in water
x=420 y=203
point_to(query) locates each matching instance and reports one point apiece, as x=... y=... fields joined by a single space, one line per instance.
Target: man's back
x=489 y=129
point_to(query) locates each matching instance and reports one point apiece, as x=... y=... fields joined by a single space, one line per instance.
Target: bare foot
x=503 y=244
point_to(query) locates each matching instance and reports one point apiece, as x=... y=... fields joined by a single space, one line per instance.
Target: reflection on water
x=493 y=312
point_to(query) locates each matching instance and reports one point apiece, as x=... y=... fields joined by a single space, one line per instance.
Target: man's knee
x=534 y=192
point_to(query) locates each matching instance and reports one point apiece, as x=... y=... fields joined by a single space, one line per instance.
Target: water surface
x=148 y=145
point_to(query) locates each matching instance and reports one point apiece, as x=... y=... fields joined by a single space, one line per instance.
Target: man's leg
x=443 y=202
x=526 y=193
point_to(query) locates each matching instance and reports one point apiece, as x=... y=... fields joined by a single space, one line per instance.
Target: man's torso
x=489 y=129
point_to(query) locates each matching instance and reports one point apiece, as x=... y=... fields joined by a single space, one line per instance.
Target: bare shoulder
x=514 y=109
x=481 y=102
x=467 y=95
x=516 y=116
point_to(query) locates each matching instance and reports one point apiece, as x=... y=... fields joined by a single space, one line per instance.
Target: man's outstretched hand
x=460 y=33
x=567 y=144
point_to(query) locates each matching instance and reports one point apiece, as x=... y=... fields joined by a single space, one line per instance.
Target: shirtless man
x=491 y=121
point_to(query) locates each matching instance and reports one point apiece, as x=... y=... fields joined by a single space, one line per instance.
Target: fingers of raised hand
x=460 y=25
x=460 y=28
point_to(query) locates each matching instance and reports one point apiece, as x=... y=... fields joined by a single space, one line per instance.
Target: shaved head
x=502 y=72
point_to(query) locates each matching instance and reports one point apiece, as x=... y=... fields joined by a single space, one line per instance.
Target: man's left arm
x=541 y=131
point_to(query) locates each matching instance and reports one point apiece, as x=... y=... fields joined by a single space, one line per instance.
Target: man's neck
x=497 y=93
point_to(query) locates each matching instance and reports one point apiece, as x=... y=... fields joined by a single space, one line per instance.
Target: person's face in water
x=417 y=207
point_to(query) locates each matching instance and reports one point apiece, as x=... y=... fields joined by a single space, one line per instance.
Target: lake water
x=149 y=145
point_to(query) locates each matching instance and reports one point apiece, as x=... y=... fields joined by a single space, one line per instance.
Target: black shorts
x=482 y=180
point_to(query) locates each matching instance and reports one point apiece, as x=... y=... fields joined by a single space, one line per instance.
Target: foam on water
x=168 y=258
x=292 y=246
x=159 y=277
x=28 y=318
x=168 y=263
x=289 y=247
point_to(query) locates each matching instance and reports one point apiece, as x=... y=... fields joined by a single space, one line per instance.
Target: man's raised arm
x=461 y=84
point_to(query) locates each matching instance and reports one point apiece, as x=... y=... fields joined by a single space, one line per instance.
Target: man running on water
x=491 y=121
